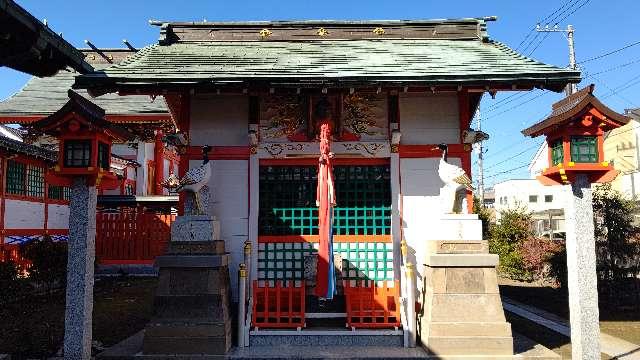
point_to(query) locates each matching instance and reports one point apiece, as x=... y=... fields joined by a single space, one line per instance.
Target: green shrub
x=484 y=215
x=12 y=287
x=617 y=246
x=48 y=262
x=505 y=239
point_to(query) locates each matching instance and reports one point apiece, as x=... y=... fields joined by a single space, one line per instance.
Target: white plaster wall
x=420 y=188
x=23 y=214
x=58 y=217
x=220 y=120
x=229 y=204
x=145 y=153
x=429 y=118
x=131 y=172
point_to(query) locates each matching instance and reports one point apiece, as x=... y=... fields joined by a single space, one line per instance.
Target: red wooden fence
x=279 y=306
x=131 y=238
x=372 y=306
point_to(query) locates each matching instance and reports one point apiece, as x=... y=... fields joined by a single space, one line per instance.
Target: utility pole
x=571 y=88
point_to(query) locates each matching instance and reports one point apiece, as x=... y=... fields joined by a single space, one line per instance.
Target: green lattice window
x=288 y=195
x=16 y=173
x=24 y=179
x=58 y=192
x=360 y=261
x=35 y=181
x=584 y=149
x=557 y=153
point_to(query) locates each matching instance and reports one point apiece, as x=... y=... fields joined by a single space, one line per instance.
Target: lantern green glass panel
x=557 y=152
x=584 y=149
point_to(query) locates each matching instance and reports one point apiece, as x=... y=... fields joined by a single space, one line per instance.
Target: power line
x=556 y=20
x=617 y=67
x=612 y=91
x=571 y=4
x=504 y=101
x=542 y=21
x=516 y=106
x=513 y=156
x=506 y=171
x=609 y=53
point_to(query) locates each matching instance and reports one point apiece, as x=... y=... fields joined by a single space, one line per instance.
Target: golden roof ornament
x=322 y=32
x=265 y=33
x=378 y=31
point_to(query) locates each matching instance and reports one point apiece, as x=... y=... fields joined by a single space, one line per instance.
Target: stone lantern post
x=574 y=133
x=84 y=160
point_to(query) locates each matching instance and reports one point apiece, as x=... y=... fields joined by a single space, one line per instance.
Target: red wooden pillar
x=159 y=163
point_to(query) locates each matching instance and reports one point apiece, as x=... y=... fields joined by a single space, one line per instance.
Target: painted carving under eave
x=281 y=117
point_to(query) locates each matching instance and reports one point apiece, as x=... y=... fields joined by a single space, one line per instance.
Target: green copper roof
x=325 y=53
x=44 y=96
x=384 y=61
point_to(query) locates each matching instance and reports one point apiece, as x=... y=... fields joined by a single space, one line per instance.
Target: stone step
x=461 y=345
x=327 y=337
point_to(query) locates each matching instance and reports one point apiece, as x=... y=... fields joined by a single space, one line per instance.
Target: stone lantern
x=84 y=158
x=575 y=135
x=85 y=140
x=575 y=132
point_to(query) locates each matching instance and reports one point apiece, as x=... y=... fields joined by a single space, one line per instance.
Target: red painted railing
x=372 y=306
x=131 y=238
x=279 y=306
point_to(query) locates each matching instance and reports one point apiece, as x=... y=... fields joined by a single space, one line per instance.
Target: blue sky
x=601 y=26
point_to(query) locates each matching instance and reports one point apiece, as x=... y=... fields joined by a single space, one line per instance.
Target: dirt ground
x=34 y=327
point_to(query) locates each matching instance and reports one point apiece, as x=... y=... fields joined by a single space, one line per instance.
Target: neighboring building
x=621 y=149
x=546 y=203
x=253 y=91
x=489 y=198
x=149 y=117
x=30 y=207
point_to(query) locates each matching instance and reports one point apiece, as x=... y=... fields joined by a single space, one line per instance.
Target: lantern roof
x=88 y=114
x=573 y=106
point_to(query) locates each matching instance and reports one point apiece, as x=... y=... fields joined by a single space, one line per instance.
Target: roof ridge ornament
x=322 y=32
x=265 y=33
x=379 y=31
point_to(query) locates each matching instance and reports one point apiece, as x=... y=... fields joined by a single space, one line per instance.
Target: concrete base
x=463 y=313
x=525 y=349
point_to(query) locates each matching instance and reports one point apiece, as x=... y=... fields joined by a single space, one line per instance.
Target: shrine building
x=393 y=91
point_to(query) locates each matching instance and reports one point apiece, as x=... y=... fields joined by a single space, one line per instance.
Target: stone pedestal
x=191 y=310
x=462 y=308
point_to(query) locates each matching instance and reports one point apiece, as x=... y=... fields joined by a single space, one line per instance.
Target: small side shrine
x=575 y=135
